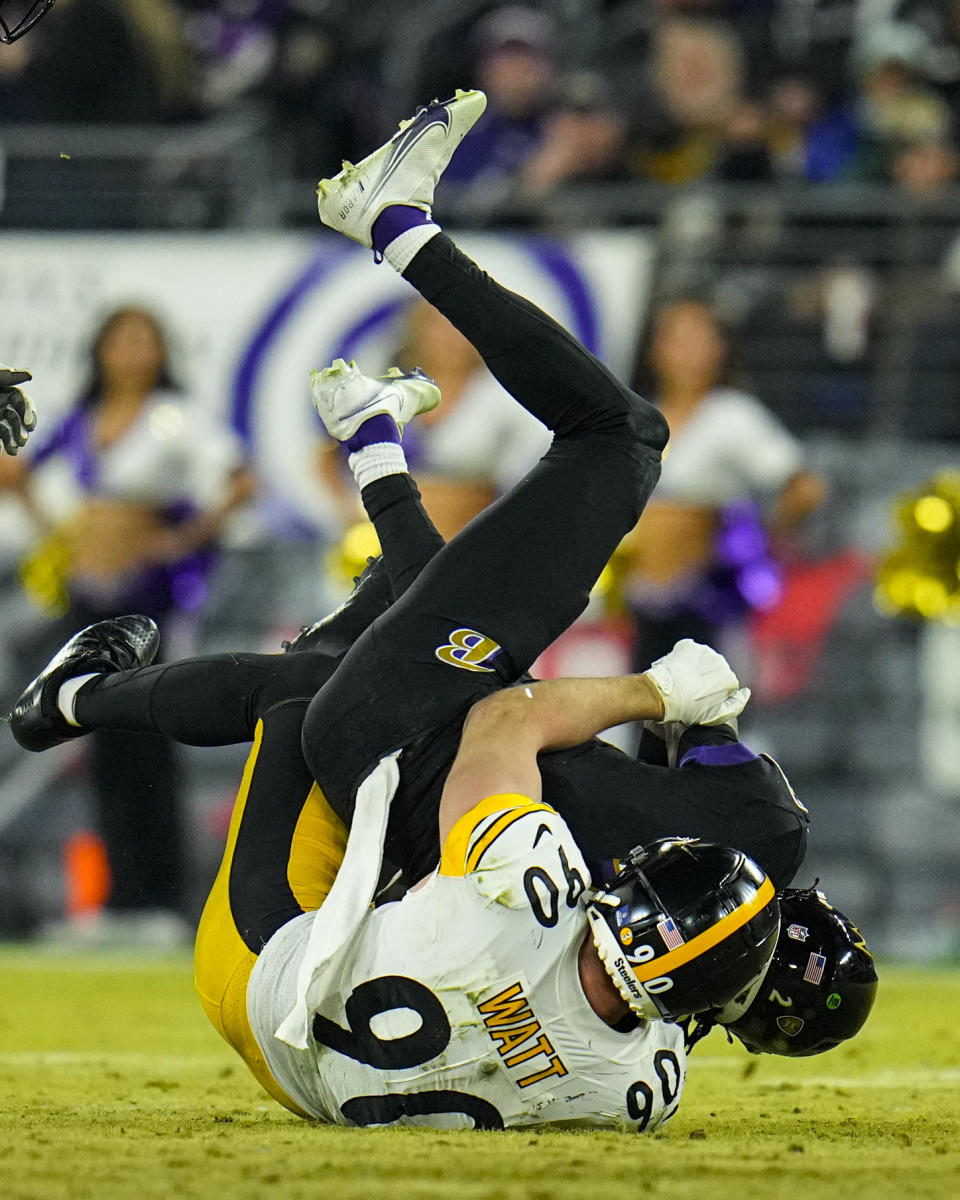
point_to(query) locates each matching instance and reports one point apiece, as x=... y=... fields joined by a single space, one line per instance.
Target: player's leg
x=521 y=572
x=532 y=557
x=546 y=544
x=407 y=536
x=408 y=540
x=212 y=700
x=285 y=843
x=282 y=853
x=552 y=536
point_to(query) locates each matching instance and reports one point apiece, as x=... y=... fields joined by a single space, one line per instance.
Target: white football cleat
x=345 y=397
x=403 y=171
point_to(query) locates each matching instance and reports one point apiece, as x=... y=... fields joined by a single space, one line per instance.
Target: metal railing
x=209 y=174
x=789 y=263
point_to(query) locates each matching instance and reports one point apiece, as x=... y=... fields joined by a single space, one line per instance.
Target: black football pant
x=491 y=600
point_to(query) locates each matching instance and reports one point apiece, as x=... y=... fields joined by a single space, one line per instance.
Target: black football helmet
x=17 y=16
x=684 y=927
x=819 y=988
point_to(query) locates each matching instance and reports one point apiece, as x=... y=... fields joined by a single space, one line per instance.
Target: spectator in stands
x=235 y=46
x=324 y=97
x=517 y=67
x=540 y=128
x=897 y=106
x=472 y=447
x=148 y=484
x=582 y=139
x=812 y=135
x=926 y=169
x=744 y=152
x=692 y=89
x=303 y=63
x=699 y=555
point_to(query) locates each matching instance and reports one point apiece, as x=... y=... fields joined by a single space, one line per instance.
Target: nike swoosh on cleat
x=407 y=141
x=440 y=113
x=412 y=134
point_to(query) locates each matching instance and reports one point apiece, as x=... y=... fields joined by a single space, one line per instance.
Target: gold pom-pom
x=349 y=556
x=920 y=577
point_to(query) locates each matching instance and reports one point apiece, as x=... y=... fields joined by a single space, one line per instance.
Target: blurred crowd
x=667 y=91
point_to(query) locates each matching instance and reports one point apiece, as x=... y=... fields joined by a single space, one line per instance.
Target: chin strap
x=695 y=1029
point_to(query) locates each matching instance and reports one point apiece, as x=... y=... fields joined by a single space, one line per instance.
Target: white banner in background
x=249 y=315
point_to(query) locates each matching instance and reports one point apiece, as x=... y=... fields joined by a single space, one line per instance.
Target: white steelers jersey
x=461 y=1005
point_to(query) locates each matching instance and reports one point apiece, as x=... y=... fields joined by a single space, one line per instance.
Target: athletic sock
x=380 y=428
x=67 y=697
x=400 y=232
x=375 y=450
x=376 y=461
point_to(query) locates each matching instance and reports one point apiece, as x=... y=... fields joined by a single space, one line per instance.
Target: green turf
x=114 y=1086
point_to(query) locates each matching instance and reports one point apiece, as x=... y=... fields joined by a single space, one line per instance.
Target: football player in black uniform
x=482 y=611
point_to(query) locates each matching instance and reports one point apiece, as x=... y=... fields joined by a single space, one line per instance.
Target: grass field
x=114 y=1086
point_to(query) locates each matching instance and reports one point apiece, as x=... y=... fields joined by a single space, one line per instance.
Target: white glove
x=17 y=416
x=697 y=686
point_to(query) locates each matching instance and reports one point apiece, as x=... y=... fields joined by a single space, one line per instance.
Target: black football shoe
x=335 y=634
x=118 y=644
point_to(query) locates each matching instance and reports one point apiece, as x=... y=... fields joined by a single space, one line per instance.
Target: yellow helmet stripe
x=708 y=939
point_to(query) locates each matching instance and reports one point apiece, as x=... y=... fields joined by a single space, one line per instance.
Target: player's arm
x=504 y=733
x=17 y=416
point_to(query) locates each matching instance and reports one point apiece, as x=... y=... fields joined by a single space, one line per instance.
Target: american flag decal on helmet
x=672 y=937
x=815 y=966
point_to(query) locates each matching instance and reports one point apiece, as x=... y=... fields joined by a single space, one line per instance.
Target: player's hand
x=17 y=416
x=697 y=686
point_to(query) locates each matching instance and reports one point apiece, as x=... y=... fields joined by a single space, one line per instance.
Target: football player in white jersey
x=502 y=991
x=474 y=1000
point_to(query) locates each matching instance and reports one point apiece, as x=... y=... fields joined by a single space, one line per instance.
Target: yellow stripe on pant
x=222 y=960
